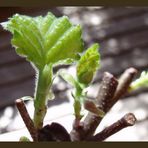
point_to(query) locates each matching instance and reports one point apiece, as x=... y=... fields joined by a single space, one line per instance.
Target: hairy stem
x=127 y=120
x=40 y=102
x=77 y=107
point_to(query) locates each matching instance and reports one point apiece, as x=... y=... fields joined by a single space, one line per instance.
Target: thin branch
x=128 y=120
x=109 y=93
x=124 y=83
x=106 y=92
x=104 y=97
x=26 y=118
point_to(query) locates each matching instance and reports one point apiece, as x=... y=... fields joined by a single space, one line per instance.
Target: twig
x=106 y=91
x=124 y=82
x=26 y=118
x=128 y=120
x=109 y=94
x=104 y=97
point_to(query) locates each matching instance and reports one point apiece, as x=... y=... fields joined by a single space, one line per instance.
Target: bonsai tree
x=49 y=41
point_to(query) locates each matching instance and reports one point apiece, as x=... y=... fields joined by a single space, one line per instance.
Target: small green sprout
x=142 y=81
x=88 y=64
x=45 y=42
x=24 y=139
x=85 y=71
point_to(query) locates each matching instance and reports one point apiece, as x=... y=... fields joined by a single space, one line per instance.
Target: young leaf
x=24 y=139
x=26 y=38
x=44 y=40
x=68 y=46
x=27 y=98
x=77 y=93
x=71 y=80
x=68 y=78
x=88 y=64
x=142 y=81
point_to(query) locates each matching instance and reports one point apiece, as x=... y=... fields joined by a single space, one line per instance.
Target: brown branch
x=26 y=118
x=128 y=120
x=104 y=97
x=124 y=83
x=109 y=94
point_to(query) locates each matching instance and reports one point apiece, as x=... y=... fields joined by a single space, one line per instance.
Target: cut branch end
x=127 y=120
x=26 y=118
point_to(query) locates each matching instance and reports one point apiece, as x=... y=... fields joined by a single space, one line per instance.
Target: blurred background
x=122 y=33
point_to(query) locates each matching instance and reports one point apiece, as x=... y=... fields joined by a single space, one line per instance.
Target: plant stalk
x=40 y=102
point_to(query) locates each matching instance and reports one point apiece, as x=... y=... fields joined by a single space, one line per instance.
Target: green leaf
x=71 y=80
x=68 y=45
x=77 y=95
x=67 y=77
x=44 y=40
x=27 y=98
x=24 y=139
x=88 y=64
x=142 y=81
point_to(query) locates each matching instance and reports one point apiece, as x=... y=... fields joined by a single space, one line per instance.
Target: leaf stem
x=40 y=102
x=77 y=107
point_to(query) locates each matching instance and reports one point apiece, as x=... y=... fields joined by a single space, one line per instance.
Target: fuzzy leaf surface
x=44 y=40
x=88 y=64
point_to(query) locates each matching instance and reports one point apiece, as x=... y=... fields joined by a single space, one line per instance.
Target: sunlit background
x=123 y=37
